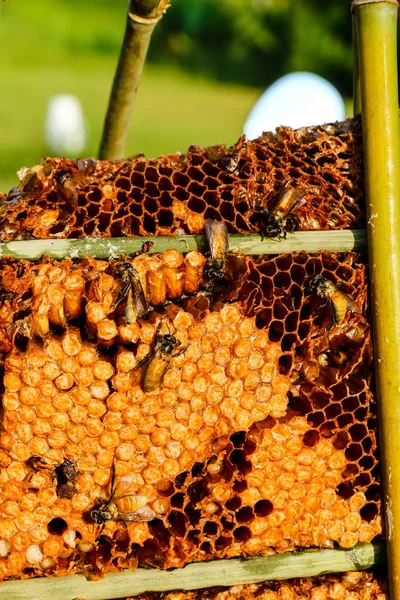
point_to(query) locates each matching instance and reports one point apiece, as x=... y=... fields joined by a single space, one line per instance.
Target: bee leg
x=169 y=330
x=102 y=527
x=147 y=246
x=291 y=223
x=333 y=316
x=264 y=233
x=259 y=219
x=144 y=250
x=157 y=335
x=181 y=351
x=321 y=306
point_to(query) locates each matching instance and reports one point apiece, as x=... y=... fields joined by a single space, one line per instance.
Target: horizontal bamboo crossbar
x=344 y=240
x=308 y=563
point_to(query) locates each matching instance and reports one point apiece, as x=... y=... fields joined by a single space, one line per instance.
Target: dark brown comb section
x=176 y=193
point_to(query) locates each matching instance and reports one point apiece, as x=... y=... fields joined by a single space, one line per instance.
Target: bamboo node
x=149 y=20
x=358 y=3
x=144 y=20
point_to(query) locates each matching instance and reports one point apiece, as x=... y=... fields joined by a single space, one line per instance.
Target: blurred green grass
x=68 y=46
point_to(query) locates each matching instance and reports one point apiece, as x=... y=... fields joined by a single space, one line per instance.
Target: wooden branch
x=308 y=563
x=142 y=17
x=344 y=240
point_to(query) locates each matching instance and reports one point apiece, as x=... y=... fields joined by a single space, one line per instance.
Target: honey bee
x=230 y=162
x=131 y=292
x=66 y=473
x=216 y=233
x=156 y=364
x=339 y=301
x=63 y=475
x=123 y=505
x=281 y=219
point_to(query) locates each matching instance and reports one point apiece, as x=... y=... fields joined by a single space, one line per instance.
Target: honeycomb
x=260 y=438
x=347 y=586
x=50 y=294
x=176 y=193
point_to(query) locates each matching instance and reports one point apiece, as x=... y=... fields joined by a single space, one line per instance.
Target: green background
x=209 y=61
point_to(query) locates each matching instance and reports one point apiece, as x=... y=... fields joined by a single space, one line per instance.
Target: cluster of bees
x=281 y=218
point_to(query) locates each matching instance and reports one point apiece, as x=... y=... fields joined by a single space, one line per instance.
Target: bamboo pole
x=356 y=74
x=312 y=242
x=142 y=17
x=308 y=563
x=376 y=24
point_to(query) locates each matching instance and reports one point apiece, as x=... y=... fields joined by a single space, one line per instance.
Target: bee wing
x=340 y=302
x=216 y=233
x=137 y=516
x=139 y=298
x=122 y=294
x=141 y=368
x=288 y=200
x=122 y=489
x=351 y=305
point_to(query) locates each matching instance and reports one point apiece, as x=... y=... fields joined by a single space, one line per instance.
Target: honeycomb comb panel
x=53 y=293
x=176 y=193
x=355 y=585
x=261 y=437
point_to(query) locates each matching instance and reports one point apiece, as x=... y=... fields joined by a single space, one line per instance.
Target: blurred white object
x=65 y=126
x=296 y=100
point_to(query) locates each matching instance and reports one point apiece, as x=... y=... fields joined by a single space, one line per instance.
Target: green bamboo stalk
x=142 y=17
x=356 y=74
x=308 y=563
x=309 y=241
x=376 y=24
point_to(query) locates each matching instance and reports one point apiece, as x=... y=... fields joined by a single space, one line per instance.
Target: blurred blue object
x=65 y=126
x=295 y=100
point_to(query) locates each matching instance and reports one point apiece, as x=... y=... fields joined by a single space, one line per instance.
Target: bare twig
x=142 y=17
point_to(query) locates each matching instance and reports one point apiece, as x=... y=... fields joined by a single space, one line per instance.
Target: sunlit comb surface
x=260 y=437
